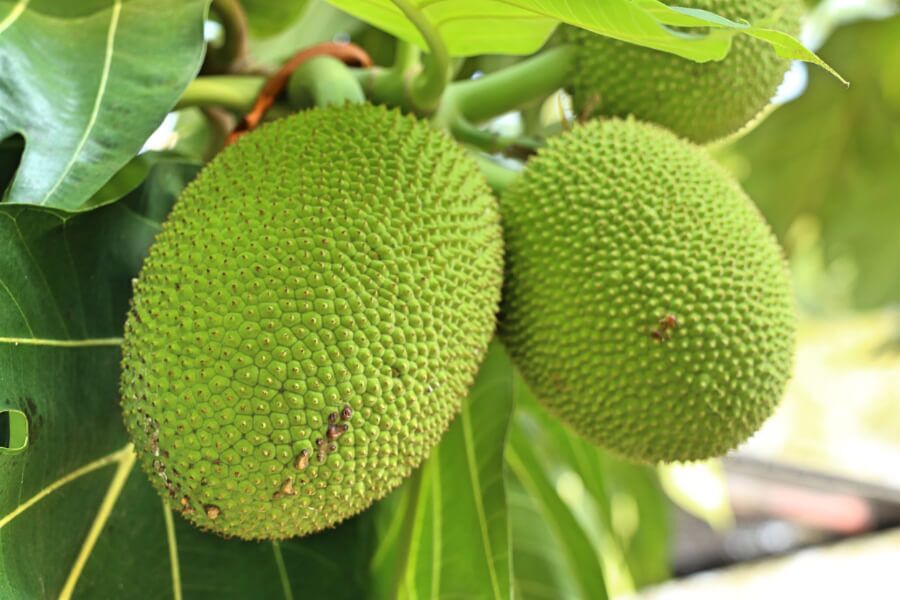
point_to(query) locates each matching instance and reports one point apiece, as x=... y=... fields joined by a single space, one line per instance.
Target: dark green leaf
x=66 y=282
x=86 y=83
x=133 y=558
x=10 y=156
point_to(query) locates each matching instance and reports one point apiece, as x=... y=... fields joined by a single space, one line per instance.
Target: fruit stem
x=234 y=92
x=391 y=86
x=492 y=95
x=426 y=89
x=232 y=54
x=498 y=176
x=323 y=81
x=491 y=141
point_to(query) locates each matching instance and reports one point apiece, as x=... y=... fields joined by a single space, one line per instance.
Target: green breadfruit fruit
x=646 y=302
x=309 y=320
x=699 y=101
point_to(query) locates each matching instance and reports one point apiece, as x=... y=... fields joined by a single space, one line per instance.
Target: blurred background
x=810 y=507
x=811 y=504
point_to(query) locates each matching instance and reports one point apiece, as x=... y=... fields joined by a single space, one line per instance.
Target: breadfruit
x=646 y=302
x=309 y=319
x=699 y=101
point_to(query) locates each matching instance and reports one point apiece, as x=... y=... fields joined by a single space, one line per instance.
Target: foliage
x=828 y=163
x=510 y=503
x=86 y=101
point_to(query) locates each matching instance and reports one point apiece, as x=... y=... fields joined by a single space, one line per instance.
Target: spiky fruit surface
x=309 y=320
x=699 y=101
x=646 y=302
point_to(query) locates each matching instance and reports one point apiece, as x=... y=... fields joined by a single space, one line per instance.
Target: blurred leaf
x=621 y=507
x=540 y=567
x=444 y=533
x=86 y=82
x=646 y=549
x=585 y=565
x=135 y=172
x=200 y=135
x=832 y=156
x=320 y=22
x=471 y=27
x=269 y=17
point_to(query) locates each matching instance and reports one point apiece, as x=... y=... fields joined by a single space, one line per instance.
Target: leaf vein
x=14 y=14
x=172 y=542
x=85 y=343
x=101 y=93
x=282 y=571
x=46 y=491
x=126 y=462
x=479 y=506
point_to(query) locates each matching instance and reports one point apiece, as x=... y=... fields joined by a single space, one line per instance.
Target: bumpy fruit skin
x=646 y=302
x=309 y=320
x=699 y=101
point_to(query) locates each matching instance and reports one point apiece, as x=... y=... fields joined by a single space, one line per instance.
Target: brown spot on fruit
x=302 y=460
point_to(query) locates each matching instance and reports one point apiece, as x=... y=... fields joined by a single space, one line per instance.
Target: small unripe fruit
x=699 y=101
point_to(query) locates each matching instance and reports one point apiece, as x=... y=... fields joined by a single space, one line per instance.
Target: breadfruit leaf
x=471 y=27
x=85 y=84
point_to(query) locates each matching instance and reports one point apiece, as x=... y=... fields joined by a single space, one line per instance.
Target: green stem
x=498 y=176
x=531 y=117
x=234 y=92
x=323 y=81
x=406 y=57
x=233 y=51
x=428 y=86
x=391 y=86
x=490 y=141
x=492 y=95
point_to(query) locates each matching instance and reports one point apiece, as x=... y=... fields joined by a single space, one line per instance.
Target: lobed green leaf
x=472 y=27
x=85 y=84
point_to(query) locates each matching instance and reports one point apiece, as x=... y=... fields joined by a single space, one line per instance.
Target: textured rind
x=344 y=262
x=612 y=228
x=699 y=101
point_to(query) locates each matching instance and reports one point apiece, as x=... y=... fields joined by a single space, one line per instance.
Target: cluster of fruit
x=320 y=298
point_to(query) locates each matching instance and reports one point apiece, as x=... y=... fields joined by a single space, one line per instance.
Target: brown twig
x=348 y=53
